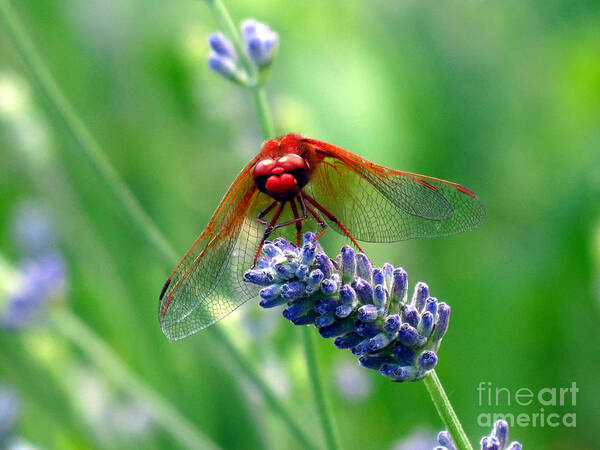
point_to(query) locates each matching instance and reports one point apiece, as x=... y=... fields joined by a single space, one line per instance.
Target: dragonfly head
x=282 y=172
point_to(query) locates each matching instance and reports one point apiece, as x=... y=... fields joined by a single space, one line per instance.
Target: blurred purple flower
x=352 y=382
x=43 y=279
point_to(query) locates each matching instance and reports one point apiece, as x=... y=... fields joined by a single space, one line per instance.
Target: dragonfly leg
x=270 y=226
x=330 y=216
x=264 y=212
x=298 y=220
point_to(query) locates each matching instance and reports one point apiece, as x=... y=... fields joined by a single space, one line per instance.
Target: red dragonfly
x=296 y=184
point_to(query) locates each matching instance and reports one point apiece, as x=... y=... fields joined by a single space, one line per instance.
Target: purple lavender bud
x=361 y=348
x=515 y=446
x=271 y=250
x=500 y=431
x=328 y=287
x=308 y=252
x=367 y=313
x=347 y=340
x=292 y=290
x=374 y=362
x=427 y=360
x=367 y=329
x=258 y=276
x=441 y=325
x=325 y=306
x=307 y=237
x=306 y=319
x=404 y=355
x=260 y=42
x=378 y=277
x=284 y=270
x=224 y=67
x=420 y=296
x=407 y=335
x=364 y=268
x=315 y=278
x=284 y=245
x=324 y=320
x=363 y=289
x=392 y=323
x=410 y=315
x=380 y=298
x=348 y=264
x=405 y=373
x=378 y=342
x=297 y=309
x=348 y=295
x=302 y=271
x=425 y=324
x=270 y=292
x=388 y=270
x=445 y=440
x=490 y=443
x=263 y=262
x=388 y=369
x=399 y=286
x=337 y=329
x=343 y=311
x=431 y=306
x=222 y=46
x=324 y=263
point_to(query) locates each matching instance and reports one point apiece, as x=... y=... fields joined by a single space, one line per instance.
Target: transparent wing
x=377 y=204
x=207 y=284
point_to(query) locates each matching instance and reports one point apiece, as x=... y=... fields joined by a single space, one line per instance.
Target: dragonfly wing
x=208 y=283
x=377 y=204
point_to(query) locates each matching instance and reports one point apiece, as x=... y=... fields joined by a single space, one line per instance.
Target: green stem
x=446 y=412
x=318 y=392
x=42 y=79
x=117 y=373
x=263 y=114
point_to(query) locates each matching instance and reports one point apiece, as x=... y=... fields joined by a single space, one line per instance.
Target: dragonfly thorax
x=281 y=177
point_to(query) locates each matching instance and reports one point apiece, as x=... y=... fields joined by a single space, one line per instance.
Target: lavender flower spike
x=348 y=301
x=497 y=439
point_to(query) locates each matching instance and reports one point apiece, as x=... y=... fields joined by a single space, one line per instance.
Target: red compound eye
x=291 y=161
x=264 y=167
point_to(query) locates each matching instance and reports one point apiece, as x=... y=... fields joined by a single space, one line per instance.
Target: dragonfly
x=298 y=184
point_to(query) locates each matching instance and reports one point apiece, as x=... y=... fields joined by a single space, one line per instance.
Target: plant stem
x=318 y=392
x=446 y=412
x=263 y=114
x=117 y=373
x=64 y=112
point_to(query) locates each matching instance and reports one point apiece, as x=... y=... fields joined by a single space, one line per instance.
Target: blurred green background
x=501 y=96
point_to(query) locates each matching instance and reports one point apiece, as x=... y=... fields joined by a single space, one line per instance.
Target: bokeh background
x=501 y=96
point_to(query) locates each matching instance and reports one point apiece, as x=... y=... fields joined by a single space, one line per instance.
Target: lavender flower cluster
x=260 y=44
x=497 y=439
x=364 y=309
